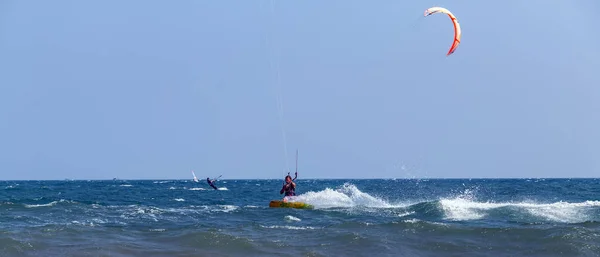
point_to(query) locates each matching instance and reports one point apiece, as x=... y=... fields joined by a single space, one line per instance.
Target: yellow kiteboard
x=282 y=204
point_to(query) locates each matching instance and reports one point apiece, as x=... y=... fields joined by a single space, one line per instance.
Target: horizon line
x=229 y=179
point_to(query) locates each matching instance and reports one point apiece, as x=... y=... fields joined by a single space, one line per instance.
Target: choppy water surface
x=516 y=217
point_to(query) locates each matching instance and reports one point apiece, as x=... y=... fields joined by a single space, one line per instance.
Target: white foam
x=222 y=188
x=179 y=199
x=291 y=218
x=467 y=209
x=289 y=227
x=47 y=204
x=406 y=214
x=89 y=224
x=41 y=205
x=346 y=196
x=461 y=209
x=136 y=212
x=562 y=211
x=226 y=208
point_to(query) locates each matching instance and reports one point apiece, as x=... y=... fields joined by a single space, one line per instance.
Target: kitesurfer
x=289 y=187
x=211 y=183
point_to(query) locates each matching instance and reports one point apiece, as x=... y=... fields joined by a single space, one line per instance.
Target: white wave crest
x=291 y=218
x=346 y=196
x=289 y=227
x=461 y=208
x=53 y=203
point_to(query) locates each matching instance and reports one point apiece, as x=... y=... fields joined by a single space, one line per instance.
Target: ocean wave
x=356 y=218
x=563 y=212
x=463 y=207
x=290 y=227
x=50 y=204
x=346 y=196
x=291 y=218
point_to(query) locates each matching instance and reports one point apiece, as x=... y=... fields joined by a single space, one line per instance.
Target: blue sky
x=154 y=89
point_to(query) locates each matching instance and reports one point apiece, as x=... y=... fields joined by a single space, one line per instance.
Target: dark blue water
x=516 y=217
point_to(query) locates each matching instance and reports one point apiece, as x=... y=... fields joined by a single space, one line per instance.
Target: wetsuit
x=210 y=183
x=290 y=190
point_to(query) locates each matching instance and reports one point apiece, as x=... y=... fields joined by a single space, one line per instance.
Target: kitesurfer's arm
x=295 y=177
x=282 y=189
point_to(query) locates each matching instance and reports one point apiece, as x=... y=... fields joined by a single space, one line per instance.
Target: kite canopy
x=457 y=31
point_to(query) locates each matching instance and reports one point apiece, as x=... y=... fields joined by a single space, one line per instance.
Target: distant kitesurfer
x=211 y=183
x=289 y=187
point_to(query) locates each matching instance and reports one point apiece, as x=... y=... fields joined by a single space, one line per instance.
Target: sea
x=375 y=217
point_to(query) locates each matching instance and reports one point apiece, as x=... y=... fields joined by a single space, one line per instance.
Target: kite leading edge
x=457 y=31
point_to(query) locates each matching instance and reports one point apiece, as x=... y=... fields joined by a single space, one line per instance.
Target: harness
x=290 y=191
